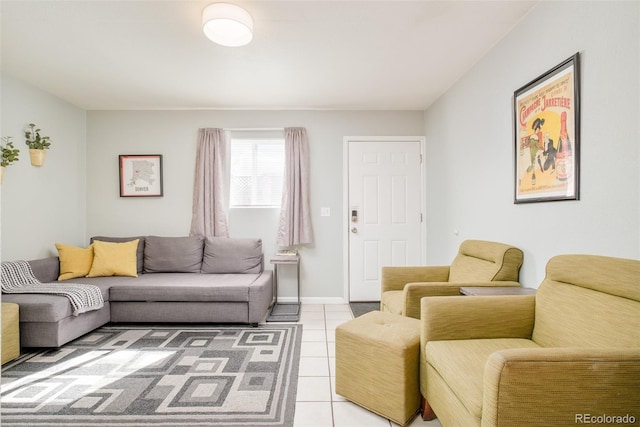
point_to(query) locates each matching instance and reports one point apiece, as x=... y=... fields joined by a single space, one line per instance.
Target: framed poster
x=546 y=115
x=140 y=175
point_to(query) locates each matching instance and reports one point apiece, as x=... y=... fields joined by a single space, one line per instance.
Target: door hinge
x=420 y=158
x=420 y=216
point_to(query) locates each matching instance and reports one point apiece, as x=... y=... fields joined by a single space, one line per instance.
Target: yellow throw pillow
x=114 y=259
x=74 y=261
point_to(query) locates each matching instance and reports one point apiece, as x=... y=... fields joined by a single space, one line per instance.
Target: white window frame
x=266 y=137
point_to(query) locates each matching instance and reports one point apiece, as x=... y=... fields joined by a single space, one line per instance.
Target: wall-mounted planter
x=37 y=156
x=36 y=143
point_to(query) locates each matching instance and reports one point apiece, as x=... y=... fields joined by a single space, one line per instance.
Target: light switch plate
x=325 y=211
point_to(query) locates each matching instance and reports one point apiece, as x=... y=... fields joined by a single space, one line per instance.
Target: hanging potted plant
x=9 y=155
x=37 y=144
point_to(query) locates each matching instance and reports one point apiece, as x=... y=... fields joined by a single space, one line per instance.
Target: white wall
x=42 y=205
x=470 y=136
x=173 y=134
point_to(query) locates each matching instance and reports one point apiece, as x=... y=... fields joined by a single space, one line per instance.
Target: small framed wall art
x=546 y=115
x=140 y=175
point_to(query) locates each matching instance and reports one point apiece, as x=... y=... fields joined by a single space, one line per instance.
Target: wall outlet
x=325 y=211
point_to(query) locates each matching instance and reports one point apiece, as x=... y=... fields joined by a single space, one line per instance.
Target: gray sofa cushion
x=48 y=307
x=227 y=255
x=40 y=307
x=139 y=252
x=173 y=254
x=181 y=287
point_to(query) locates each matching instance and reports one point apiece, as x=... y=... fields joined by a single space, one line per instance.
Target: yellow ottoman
x=10 y=332
x=377 y=364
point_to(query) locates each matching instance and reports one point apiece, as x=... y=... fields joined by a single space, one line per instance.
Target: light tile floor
x=317 y=404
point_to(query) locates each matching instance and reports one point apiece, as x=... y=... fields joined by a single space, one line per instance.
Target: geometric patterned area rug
x=158 y=376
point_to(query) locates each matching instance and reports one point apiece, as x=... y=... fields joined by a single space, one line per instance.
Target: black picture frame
x=140 y=175
x=546 y=127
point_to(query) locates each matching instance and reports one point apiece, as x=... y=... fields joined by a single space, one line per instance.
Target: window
x=257 y=169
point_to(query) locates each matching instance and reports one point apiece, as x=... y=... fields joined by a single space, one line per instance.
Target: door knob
x=354 y=230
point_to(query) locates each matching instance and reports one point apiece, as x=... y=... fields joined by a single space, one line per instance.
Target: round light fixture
x=227 y=24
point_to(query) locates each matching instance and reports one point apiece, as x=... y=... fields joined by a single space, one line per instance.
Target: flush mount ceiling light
x=227 y=24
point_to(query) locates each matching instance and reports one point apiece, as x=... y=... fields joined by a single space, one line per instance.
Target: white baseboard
x=314 y=300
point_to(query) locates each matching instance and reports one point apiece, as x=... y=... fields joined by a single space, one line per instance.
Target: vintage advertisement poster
x=546 y=136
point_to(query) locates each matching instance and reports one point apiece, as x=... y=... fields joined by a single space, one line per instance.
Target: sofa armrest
x=394 y=278
x=561 y=386
x=463 y=318
x=414 y=292
x=46 y=269
x=260 y=297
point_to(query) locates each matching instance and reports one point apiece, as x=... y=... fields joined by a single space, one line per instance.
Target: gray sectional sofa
x=180 y=279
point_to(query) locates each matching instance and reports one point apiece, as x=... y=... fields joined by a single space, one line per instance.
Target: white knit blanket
x=17 y=278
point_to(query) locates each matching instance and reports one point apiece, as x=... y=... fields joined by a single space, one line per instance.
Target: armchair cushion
x=479 y=260
x=462 y=363
x=592 y=303
x=392 y=302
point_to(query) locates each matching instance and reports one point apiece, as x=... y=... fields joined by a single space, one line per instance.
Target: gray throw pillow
x=139 y=252
x=173 y=254
x=227 y=255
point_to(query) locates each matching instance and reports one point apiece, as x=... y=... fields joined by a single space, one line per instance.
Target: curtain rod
x=253 y=129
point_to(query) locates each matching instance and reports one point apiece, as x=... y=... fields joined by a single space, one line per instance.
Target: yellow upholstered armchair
x=478 y=263
x=568 y=355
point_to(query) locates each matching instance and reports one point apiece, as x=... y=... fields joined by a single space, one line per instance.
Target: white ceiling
x=152 y=54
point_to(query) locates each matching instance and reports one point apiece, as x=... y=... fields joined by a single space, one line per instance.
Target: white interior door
x=385 y=211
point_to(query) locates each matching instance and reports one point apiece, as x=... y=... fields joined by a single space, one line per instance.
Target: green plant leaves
x=34 y=140
x=9 y=153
